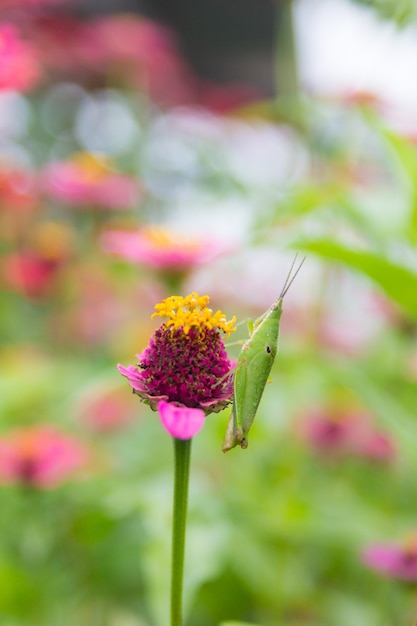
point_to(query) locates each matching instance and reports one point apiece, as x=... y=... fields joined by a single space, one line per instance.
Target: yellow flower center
x=27 y=445
x=192 y=312
x=410 y=543
x=165 y=239
x=92 y=167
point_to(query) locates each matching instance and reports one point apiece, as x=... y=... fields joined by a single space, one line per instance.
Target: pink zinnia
x=161 y=249
x=39 y=456
x=87 y=180
x=349 y=433
x=395 y=561
x=19 y=69
x=185 y=371
x=144 y=52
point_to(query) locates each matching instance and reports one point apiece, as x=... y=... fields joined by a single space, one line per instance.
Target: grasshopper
x=253 y=368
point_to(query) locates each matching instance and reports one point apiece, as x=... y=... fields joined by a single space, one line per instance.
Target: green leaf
x=405 y=153
x=398 y=282
x=400 y=11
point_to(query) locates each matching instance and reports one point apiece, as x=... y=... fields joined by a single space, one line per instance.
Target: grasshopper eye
x=268 y=349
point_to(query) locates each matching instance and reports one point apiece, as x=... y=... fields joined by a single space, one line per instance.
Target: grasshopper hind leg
x=234 y=436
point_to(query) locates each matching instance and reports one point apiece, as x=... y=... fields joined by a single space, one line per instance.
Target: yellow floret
x=92 y=166
x=164 y=239
x=192 y=312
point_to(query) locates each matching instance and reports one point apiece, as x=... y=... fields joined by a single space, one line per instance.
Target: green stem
x=182 y=452
x=286 y=56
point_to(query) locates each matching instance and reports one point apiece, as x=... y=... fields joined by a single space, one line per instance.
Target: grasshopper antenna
x=290 y=279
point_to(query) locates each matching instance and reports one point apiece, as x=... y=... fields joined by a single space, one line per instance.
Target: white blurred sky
x=343 y=46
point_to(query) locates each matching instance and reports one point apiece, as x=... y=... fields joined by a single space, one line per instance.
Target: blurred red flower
x=39 y=456
x=27 y=274
x=33 y=271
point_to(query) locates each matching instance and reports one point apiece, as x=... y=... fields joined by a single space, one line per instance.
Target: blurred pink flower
x=148 y=54
x=39 y=456
x=27 y=274
x=18 y=190
x=395 y=561
x=133 y=49
x=19 y=68
x=29 y=4
x=60 y=41
x=360 y=98
x=88 y=180
x=349 y=433
x=107 y=410
x=142 y=51
x=161 y=249
x=354 y=98
x=324 y=432
x=33 y=272
x=180 y=421
x=376 y=445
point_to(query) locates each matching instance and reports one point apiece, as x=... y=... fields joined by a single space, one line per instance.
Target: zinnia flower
x=346 y=433
x=185 y=371
x=159 y=248
x=88 y=180
x=395 y=561
x=39 y=456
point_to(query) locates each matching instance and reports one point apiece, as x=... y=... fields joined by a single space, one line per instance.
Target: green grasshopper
x=253 y=368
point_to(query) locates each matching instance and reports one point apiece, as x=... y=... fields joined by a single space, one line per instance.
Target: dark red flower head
x=185 y=362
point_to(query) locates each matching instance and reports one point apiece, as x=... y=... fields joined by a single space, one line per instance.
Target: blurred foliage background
x=134 y=164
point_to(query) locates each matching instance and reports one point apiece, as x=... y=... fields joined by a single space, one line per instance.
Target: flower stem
x=286 y=69
x=182 y=452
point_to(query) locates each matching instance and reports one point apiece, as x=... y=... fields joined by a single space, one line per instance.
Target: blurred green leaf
x=400 y=11
x=398 y=282
x=405 y=153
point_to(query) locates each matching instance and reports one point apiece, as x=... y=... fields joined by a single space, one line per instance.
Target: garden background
x=143 y=154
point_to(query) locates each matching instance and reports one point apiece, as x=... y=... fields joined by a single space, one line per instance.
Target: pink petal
x=380 y=557
x=180 y=421
x=392 y=560
x=133 y=375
